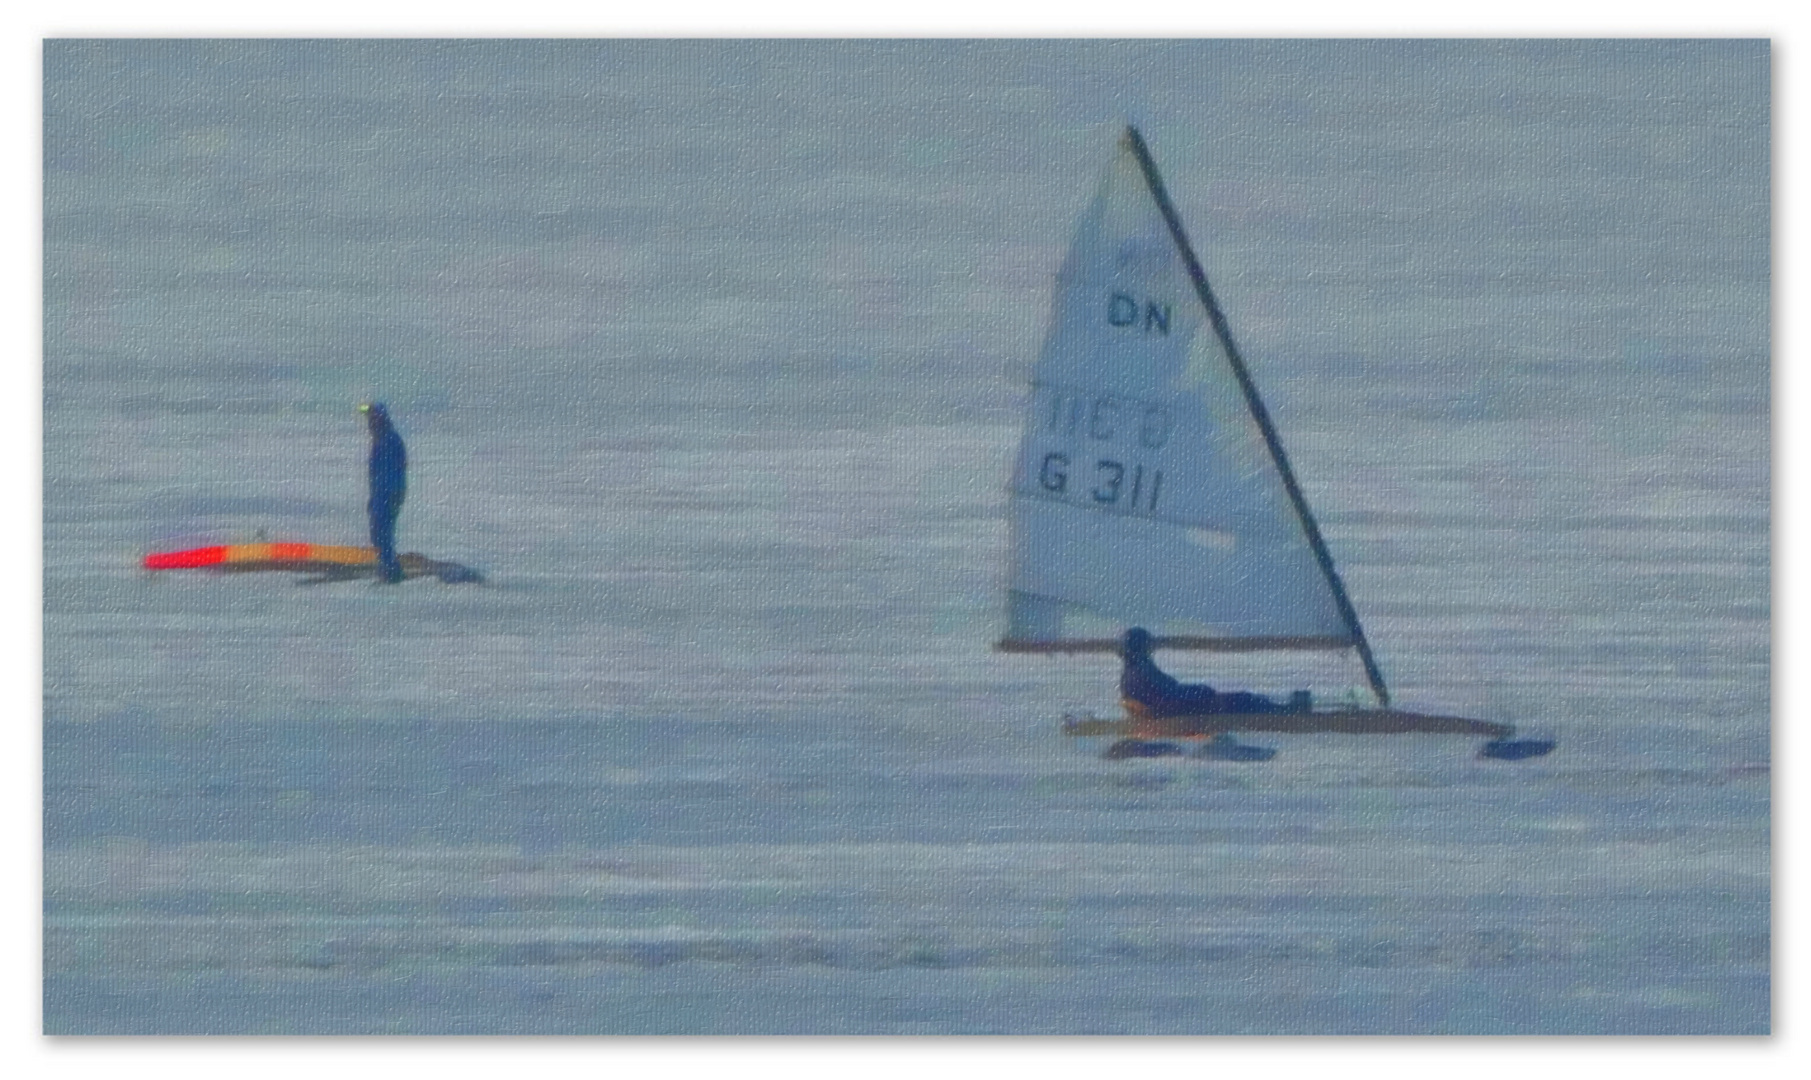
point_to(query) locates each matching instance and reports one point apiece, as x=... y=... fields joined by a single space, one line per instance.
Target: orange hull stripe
x=238 y=554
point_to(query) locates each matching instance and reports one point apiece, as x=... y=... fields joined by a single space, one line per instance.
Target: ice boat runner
x=386 y=482
x=1151 y=488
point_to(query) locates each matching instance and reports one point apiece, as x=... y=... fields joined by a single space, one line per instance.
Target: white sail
x=1147 y=490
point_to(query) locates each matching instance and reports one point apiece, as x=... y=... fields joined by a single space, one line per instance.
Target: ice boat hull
x=334 y=562
x=1327 y=721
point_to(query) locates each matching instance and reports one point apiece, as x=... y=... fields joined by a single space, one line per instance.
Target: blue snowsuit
x=1143 y=684
x=389 y=482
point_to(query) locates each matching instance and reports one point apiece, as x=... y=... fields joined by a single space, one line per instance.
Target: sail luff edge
x=1148 y=166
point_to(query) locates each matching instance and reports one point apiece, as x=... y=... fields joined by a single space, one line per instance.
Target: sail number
x=1113 y=483
x=1108 y=417
x=1118 y=475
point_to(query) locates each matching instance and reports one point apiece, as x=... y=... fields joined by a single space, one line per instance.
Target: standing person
x=389 y=482
x=1150 y=693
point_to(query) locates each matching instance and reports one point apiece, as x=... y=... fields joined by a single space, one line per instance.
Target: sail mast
x=1258 y=412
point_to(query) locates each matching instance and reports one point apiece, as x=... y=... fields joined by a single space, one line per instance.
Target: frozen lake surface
x=711 y=355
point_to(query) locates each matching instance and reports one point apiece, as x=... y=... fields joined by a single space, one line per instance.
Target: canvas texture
x=717 y=364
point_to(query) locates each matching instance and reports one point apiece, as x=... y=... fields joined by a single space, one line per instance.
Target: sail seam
x=1103 y=508
x=1184 y=641
x=1136 y=399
